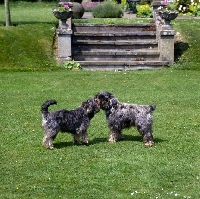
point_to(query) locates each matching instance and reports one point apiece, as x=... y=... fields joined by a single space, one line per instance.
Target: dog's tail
x=45 y=106
x=152 y=107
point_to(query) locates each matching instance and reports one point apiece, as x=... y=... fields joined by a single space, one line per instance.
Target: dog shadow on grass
x=139 y=139
x=127 y=138
x=60 y=145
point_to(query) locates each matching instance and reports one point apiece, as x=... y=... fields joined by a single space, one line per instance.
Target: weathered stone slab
x=64 y=44
x=122 y=66
x=166 y=45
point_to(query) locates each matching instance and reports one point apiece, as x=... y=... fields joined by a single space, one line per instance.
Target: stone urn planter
x=167 y=16
x=63 y=13
x=78 y=10
x=63 y=16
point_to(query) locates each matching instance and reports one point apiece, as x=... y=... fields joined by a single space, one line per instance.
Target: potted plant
x=63 y=12
x=168 y=12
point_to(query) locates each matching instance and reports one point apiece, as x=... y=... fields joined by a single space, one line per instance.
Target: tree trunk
x=7 y=8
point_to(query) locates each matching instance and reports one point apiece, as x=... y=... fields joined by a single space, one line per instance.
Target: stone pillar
x=164 y=34
x=166 y=45
x=156 y=4
x=64 y=41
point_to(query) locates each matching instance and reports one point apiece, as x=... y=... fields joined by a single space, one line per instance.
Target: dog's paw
x=111 y=139
x=150 y=143
x=86 y=144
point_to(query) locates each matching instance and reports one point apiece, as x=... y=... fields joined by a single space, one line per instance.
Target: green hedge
x=108 y=9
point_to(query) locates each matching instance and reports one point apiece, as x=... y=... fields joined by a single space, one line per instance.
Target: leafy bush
x=172 y=6
x=71 y=65
x=108 y=9
x=187 y=6
x=124 y=4
x=183 y=4
x=195 y=9
x=144 y=11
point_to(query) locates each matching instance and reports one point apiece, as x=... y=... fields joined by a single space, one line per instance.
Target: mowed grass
x=28 y=44
x=125 y=169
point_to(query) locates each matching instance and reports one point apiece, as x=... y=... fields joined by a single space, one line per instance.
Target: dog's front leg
x=114 y=135
x=76 y=138
x=120 y=136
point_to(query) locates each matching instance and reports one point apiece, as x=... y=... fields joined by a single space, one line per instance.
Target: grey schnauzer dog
x=122 y=115
x=74 y=121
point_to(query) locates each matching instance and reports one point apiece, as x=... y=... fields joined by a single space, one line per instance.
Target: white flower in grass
x=134 y=193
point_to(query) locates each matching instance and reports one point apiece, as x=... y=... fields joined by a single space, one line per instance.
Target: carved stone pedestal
x=164 y=31
x=166 y=45
x=64 y=43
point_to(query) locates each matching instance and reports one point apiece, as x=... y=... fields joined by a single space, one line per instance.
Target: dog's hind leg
x=146 y=133
x=47 y=141
x=148 y=139
x=85 y=138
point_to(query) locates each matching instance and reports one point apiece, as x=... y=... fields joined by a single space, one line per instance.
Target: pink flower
x=66 y=6
x=165 y=2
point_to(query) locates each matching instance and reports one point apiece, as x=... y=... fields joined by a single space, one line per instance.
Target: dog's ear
x=113 y=102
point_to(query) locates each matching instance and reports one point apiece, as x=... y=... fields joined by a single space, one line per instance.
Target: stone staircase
x=116 y=47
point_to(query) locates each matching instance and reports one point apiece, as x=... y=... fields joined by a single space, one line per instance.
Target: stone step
x=113 y=28
x=115 y=34
x=116 y=47
x=149 y=38
x=116 y=42
x=117 y=55
x=126 y=46
x=122 y=65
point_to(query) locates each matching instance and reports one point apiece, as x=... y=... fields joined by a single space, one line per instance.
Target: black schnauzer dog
x=74 y=121
x=122 y=115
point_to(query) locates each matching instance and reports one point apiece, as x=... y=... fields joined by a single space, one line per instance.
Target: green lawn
x=126 y=169
x=122 y=170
